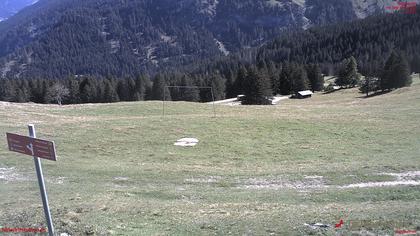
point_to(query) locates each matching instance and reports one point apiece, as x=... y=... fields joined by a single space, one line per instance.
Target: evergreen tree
x=415 y=64
x=285 y=79
x=110 y=93
x=348 y=75
x=74 y=91
x=396 y=73
x=143 y=85
x=87 y=91
x=230 y=85
x=218 y=86
x=239 y=82
x=257 y=88
x=7 y=90
x=299 y=79
x=189 y=94
x=123 y=89
x=316 y=79
x=159 y=90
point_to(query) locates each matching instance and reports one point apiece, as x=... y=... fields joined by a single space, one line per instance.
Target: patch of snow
x=59 y=180
x=222 y=47
x=210 y=179
x=313 y=177
x=276 y=100
x=411 y=178
x=186 y=142
x=119 y=178
x=10 y=174
x=275 y=184
x=382 y=184
x=315 y=226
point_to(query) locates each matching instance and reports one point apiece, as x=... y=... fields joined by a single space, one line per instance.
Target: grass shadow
x=375 y=94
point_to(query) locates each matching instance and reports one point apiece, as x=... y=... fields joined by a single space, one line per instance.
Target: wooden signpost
x=38 y=148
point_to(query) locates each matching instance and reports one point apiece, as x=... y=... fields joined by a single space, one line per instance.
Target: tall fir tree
x=159 y=89
x=415 y=63
x=316 y=79
x=299 y=79
x=396 y=73
x=347 y=74
x=257 y=88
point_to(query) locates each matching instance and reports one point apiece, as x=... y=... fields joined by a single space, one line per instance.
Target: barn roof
x=305 y=93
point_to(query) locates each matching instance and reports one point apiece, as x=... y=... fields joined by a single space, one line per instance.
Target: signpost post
x=37 y=148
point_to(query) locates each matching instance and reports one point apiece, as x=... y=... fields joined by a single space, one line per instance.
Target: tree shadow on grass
x=375 y=94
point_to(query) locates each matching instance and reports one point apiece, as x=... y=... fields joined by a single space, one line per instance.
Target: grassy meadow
x=257 y=170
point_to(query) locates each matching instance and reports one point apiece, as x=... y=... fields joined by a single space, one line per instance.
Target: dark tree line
x=394 y=74
x=255 y=82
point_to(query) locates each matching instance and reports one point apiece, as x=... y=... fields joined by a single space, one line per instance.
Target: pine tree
x=110 y=93
x=74 y=92
x=299 y=79
x=218 y=86
x=257 y=88
x=240 y=80
x=348 y=75
x=316 y=79
x=159 y=90
x=396 y=73
x=285 y=79
x=143 y=85
x=189 y=94
x=415 y=64
x=7 y=89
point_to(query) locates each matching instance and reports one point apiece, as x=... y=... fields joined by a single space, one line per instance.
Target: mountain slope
x=10 y=7
x=125 y=37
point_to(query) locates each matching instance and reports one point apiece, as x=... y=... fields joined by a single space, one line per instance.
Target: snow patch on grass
x=11 y=175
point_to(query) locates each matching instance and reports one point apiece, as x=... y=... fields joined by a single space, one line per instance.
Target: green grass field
x=258 y=170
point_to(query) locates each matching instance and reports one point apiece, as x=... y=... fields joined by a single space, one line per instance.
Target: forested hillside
x=288 y=64
x=55 y=39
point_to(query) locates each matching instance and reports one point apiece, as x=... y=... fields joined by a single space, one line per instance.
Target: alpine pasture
x=257 y=170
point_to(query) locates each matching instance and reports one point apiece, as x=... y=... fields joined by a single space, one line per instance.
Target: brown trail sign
x=38 y=148
x=31 y=146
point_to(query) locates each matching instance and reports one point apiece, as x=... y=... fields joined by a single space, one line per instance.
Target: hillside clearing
x=257 y=170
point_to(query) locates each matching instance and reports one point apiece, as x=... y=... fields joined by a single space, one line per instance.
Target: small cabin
x=304 y=94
